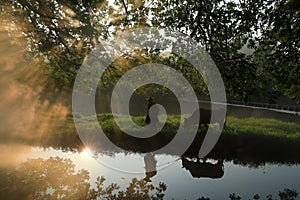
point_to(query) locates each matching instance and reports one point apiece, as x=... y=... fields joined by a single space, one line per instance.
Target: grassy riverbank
x=258 y=127
x=246 y=140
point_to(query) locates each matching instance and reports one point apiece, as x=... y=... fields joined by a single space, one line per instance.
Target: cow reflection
x=204 y=169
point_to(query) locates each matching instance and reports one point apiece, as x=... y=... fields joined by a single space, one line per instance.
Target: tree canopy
x=62 y=33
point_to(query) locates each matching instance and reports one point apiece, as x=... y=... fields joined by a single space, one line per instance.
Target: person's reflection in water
x=150 y=166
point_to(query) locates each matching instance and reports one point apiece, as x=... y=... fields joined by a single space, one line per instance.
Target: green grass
x=234 y=126
x=261 y=126
x=108 y=124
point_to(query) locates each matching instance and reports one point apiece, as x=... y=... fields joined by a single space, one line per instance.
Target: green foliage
x=222 y=29
x=186 y=68
x=278 y=51
x=61 y=33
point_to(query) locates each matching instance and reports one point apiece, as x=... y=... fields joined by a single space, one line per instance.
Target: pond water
x=181 y=181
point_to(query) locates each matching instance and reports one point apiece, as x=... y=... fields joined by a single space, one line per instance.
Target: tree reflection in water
x=56 y=178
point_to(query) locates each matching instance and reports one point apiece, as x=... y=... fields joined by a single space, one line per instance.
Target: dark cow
x=205 y=115
x=204 y=169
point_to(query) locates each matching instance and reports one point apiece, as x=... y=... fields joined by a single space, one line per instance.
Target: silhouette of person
x=155 y=112
x=150 y=166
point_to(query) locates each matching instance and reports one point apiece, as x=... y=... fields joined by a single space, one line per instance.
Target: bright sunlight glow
x=86 y=153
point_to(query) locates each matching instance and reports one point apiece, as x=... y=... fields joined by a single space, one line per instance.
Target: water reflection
x=184 y=176
x=204 y=169
x=56 y=178
x=150 y=166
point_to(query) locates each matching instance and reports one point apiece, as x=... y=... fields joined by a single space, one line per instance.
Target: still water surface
x=242 y=180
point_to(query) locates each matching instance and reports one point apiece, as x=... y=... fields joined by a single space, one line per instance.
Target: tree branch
x=124 y=4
